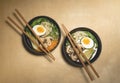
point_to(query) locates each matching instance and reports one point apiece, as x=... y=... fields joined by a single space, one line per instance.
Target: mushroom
x=69 y=49
x=74 y=57
x=47 y=41
x=71 y=53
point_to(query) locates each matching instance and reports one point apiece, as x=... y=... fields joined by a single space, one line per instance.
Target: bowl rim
x=68 y=59
x=26 y=41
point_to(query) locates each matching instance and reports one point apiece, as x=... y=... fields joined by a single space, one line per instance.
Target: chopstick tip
x=15 y=9
x=8 y=17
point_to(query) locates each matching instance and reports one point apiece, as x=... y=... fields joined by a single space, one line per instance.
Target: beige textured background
x=19 y=66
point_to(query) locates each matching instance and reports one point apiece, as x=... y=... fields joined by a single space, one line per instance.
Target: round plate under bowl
x=89 y=33
x=55 y=33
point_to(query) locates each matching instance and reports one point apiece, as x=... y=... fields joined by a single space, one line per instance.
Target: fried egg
x=87 y=42
x=39 y=30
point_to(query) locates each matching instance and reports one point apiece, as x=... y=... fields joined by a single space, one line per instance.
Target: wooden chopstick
x=83 y=55
x=38 y=38
x=28 y=36
x=78 y=54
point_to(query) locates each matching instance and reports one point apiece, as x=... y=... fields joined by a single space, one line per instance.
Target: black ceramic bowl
x=37 y=21
x=92 y=58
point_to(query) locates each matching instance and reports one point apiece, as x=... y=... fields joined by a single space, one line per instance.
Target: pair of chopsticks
x=80 y=54
x=42 y=46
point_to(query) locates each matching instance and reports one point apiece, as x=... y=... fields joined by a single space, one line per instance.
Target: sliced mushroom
x=74 y=57
x=71 y=53
x=69 y=49
x=47 y=41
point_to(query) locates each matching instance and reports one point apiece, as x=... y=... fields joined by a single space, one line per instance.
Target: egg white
x=39 y=33
x=90 y=45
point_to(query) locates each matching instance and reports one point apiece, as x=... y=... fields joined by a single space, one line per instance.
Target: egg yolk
x=40 y=29
x=86 y=41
